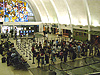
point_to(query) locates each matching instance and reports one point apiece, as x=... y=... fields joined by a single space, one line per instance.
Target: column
x=50 y=28
x=41 y=28
x=59 y=26
x=89 y=35
x=88 y=18
x=71 y=26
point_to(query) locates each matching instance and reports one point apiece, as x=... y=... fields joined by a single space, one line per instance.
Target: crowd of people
x=52 y=49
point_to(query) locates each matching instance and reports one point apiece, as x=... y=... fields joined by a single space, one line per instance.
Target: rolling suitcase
x=3 y=59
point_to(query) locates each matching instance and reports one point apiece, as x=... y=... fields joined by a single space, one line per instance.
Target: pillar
x=89 y=35
x=41 y=28
x=88 y=18
x=71 y=26
x=50 y=28
x=59 y=26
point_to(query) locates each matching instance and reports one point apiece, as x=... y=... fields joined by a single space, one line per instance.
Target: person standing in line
x=47 y=58
x=61 y=55
x=79 y=50
x=15 y=33
x=21 y=37
x=86 y=49
x=38 y=59
x=26 y=36
x=90 y=50
x=65 y=53
x=42 y=59
x=96 y=50
x=53 y=56
x=71 y=51
x=74 y=56
x=33 y=38
x=7 y=32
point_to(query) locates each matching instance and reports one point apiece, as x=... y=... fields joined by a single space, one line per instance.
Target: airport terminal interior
x=49 y=37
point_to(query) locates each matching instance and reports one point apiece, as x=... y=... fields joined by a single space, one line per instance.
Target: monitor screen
x=29 y=31
x=24 y=34
x=21 y=31
x=32 y=30
x=26 y=31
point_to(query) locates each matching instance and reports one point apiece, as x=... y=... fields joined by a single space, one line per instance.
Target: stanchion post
x=20 y=46
x=26 y=53
x=29 y=46
x=23 y=52
x=37 y=40
x=29 y=55
x=42 y=41
x=25 y=44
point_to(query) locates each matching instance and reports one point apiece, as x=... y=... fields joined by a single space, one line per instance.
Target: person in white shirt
x=13 y=54
x=27 y=37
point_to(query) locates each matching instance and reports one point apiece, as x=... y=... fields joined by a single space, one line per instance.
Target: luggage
x=74 y=55
x=3 y=59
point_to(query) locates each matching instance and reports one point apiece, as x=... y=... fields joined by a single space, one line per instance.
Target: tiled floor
x=36 y=71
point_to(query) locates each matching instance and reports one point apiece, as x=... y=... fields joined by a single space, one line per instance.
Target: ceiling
x=76 y=12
